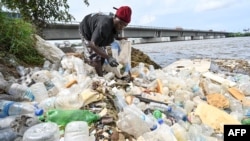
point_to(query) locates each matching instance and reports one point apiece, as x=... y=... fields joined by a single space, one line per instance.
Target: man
x=98 y=31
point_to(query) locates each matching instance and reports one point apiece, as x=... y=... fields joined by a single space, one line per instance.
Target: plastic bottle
x=11 y=108
x=178 y=113
x=179 y=132
x=131 y=124
x=39 y=91
x=77 y=131
x=164 y=132
x=73 y=101
x=47 y=131
x=158 y=106
x=63 y=117
x=21 y=91
x=21 y=70
x=47 y=104
x=141 y=70
x=151 y=74
x=7 y=134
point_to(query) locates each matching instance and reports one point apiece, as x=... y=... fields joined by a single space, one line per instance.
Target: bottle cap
x=169 y=109
x=157 y=114
x=153 y=128
x=38 y=112
x=160 y=121
x=184 y=118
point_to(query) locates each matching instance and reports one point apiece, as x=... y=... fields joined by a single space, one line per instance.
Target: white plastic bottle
x=47 y=131
x=77 y=131
x=39 y=91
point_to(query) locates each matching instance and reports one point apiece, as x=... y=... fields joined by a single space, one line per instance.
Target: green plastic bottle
x=245 y=121
x=63 y=117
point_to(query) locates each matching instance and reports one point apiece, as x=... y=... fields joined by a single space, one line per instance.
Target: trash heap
x=68 y=101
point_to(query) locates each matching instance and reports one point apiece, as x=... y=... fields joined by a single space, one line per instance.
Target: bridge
x=62 y=31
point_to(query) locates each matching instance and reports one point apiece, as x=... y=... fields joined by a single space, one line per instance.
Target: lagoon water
x=166 y=53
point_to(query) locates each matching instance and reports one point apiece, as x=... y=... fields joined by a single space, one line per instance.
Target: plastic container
x=11 y=108
x=7 y=134
x=63 y=117
x=21 y=91
x=47 y=131
x=39 y=91
x=77 y=131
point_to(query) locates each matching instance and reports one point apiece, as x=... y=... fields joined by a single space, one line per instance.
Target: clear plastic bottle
x=77 y=131
x=47 y=104
x=132 y=109
x=178 y=113
x=131 y=124
x=141 y=68
x=11 y=108
x=158 y=106
x=73 y=101
x=151 y=74
x=21 y=91
x=47 y=131
x=39 y=91
x=165 y=133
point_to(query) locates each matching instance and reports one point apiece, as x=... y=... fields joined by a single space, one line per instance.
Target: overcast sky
x=218 y=15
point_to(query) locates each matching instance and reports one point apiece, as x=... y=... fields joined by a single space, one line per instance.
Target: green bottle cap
x=157 y=114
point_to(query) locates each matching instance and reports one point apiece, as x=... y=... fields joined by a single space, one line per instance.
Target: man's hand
x=112 y=62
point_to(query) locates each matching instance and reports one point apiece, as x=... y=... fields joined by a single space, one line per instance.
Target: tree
x=41 y=12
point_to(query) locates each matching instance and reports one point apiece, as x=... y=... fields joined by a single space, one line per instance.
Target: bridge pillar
x=217 y=37
x=222 y=36
x=179 y=38
x=208 y=37
x=198 y=38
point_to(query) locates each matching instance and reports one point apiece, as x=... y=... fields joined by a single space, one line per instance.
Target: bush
x=16 y=38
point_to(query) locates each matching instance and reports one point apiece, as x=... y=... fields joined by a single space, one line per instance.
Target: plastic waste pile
x=70 y=102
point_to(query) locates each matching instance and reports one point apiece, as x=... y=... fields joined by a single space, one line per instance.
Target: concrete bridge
x=138 y=34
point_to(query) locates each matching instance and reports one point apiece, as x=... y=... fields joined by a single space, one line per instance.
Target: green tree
x=41 y=12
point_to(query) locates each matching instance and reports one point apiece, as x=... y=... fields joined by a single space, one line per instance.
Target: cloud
x=147 y=19
x=208 y=5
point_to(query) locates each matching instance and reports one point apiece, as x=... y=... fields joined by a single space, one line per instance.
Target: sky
x=217 y=15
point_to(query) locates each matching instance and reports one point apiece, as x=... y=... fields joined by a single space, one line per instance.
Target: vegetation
x=41 y=12
x=239 y=34
x=16 y=34
x=16 y=38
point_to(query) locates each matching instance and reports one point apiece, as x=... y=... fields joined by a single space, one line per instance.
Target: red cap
x=124 y=13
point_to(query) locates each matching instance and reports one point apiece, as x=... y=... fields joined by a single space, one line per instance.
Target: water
x=225 y=48
x=166 y=53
